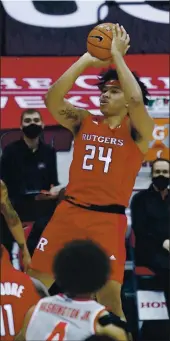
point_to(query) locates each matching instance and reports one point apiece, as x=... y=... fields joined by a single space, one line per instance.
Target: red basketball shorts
x=70 y=222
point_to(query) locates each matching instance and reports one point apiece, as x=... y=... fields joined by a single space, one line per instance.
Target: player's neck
x=82 y=297
x=114 y=121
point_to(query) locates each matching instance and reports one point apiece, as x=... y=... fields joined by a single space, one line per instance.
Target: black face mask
x=160 y=182
x=32 y=131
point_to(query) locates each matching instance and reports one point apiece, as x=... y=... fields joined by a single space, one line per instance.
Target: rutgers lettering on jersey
x=102 y=139
x=104 y=153
x=41 y=244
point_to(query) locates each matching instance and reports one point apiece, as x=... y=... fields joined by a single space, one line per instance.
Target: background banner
x=60 y=28
x=25 y=81
x=151 y=305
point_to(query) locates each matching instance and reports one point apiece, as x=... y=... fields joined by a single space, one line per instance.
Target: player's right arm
x=63 y=111
x=14 y=224
x=109 y=328
x=118 y=334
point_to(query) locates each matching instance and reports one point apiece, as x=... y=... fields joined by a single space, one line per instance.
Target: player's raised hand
x=92 y=61
x=121 y=40
x=166 y=245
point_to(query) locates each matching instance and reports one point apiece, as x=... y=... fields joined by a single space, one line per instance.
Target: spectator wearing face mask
x=28 y=166
x=150 y=210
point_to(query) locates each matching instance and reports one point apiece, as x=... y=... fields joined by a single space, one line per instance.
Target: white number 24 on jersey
x=106 y=159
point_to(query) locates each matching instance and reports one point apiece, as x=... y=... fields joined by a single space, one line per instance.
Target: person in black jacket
x=28 y=166
x=150 y=211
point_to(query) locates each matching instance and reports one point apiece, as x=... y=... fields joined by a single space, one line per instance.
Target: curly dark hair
x=111 y=74
x=81 y=267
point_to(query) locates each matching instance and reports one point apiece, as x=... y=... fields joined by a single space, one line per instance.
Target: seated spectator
x=18 y=294
x=11 y=226
x=150 y=210
x=28 y=166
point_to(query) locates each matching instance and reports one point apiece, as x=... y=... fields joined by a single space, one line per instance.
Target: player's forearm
x=128 y=82
x=62 y=86
x=18 y=234
x=19 y=337
x=14 y=223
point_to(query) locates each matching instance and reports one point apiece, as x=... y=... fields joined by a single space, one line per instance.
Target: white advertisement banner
x=151 y=305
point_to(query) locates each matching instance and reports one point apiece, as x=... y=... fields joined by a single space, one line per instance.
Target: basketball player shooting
x=108 y=154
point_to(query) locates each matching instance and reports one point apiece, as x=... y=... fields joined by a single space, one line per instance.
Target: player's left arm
x=14 y=223
x=138 y=114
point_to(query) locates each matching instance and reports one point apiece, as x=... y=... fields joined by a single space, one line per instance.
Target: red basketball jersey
x=105 y=163
x=17 y=296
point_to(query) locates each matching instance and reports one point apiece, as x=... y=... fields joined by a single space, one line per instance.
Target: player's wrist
x=23 y=247
x=86 y=59
x=116 y=54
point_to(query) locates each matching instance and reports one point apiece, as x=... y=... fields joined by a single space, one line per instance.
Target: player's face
x=112 y=100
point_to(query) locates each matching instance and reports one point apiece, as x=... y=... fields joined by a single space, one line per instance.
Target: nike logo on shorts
x=97 y=37
x=112 y=257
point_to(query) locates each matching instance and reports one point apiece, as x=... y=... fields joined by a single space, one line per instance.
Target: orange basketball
x=99 y=41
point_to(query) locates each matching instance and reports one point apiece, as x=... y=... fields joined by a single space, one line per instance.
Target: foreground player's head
x=81 y=268
x=112 y=99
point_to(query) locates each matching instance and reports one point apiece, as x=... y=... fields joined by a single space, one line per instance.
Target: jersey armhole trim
x=97 y=317
x=79 y=126
x=32 y=316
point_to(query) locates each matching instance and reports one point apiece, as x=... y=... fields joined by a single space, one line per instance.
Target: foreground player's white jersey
x=60 y=318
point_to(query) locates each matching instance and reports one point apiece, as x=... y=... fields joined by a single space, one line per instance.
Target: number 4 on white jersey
x=59 y=332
